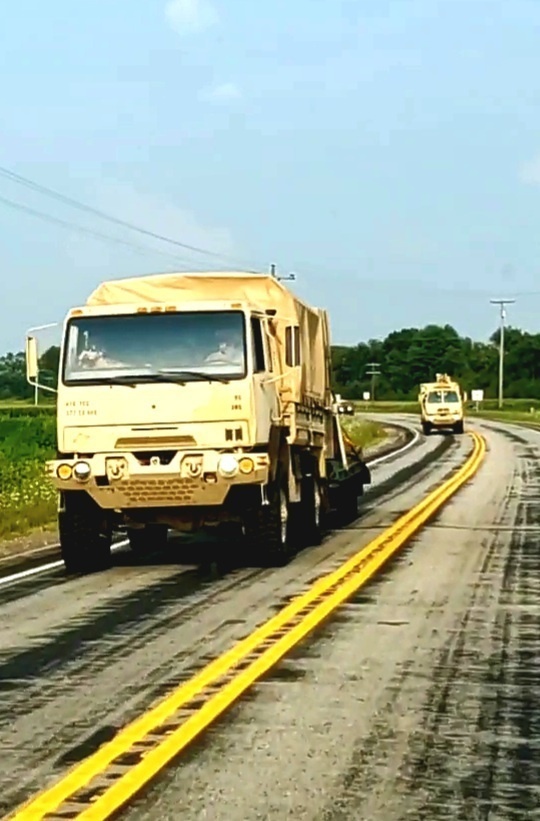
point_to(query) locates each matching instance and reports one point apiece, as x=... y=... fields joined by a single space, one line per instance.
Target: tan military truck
x=195 y=400
x=441 y=405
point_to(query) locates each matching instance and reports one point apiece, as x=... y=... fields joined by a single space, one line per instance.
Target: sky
x=386 y=152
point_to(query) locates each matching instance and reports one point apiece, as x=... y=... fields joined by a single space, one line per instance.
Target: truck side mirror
x=32 y=367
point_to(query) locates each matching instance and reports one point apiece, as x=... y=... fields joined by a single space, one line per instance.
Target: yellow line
x=337 y=587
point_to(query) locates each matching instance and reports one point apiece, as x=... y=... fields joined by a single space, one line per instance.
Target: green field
x=27 y=500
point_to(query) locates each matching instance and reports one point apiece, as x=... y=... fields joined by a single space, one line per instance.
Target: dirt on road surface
x=417 y=700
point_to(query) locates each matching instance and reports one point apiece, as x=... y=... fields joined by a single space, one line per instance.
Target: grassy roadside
x=386 y=407
x=27 y=499
x=363 y=432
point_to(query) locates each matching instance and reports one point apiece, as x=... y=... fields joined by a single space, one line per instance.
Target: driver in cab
x=228 y=352
x=92 y=357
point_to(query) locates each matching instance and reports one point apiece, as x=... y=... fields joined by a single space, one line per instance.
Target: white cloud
x=222 y=93
x=529 y=172
x=187 y=16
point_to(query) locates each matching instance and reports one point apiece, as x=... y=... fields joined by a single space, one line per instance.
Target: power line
x=18 y=178
x=73 y=226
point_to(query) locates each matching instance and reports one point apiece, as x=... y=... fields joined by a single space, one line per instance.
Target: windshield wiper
x=174 y=376
x=207 y=377
x=132 y=380
x=127 y=381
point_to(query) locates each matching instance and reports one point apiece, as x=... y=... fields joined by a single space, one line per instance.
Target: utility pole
x=373 y=372
x=501 y=303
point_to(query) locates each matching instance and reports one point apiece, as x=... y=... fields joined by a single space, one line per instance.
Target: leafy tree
x=13 y=384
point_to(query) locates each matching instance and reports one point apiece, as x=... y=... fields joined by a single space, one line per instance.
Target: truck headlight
x=246 y=465
x=81 y=471
x=228 y=465
x=64 y=472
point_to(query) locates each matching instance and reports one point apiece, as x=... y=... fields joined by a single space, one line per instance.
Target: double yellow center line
x=104 y=782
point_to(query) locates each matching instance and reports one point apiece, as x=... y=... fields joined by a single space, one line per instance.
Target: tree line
x=404 y=358
x=410 y=356
x=13 y=384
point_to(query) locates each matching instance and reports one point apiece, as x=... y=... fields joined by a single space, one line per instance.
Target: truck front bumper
x=120 y=481
x=446 y=421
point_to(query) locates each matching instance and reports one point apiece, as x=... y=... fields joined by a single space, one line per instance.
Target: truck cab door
x=265 y=390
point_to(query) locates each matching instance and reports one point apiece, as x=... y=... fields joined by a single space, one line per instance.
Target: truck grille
x=154 y=492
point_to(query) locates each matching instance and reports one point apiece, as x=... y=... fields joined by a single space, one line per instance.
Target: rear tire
x=266 y=529
x=147 y=539
x=85 y=534
x=310 y=527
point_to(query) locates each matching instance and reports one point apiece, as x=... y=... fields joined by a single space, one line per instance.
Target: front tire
x=426 y=428
x=266 y=529
x=85 y=534
x=458 y=428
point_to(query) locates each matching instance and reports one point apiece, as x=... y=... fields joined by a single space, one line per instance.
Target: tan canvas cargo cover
x=259 y=290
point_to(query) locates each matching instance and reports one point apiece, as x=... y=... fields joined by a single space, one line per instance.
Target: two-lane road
x=417 y=700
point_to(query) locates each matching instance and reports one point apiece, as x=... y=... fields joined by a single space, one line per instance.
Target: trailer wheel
x=267 y=529
x=149 y=538
x=85 y=534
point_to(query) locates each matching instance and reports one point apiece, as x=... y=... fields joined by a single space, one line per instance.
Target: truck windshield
x=438 y=397
x=145 y=346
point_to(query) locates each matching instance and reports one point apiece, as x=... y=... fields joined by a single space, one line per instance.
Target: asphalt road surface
x=418 y=700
